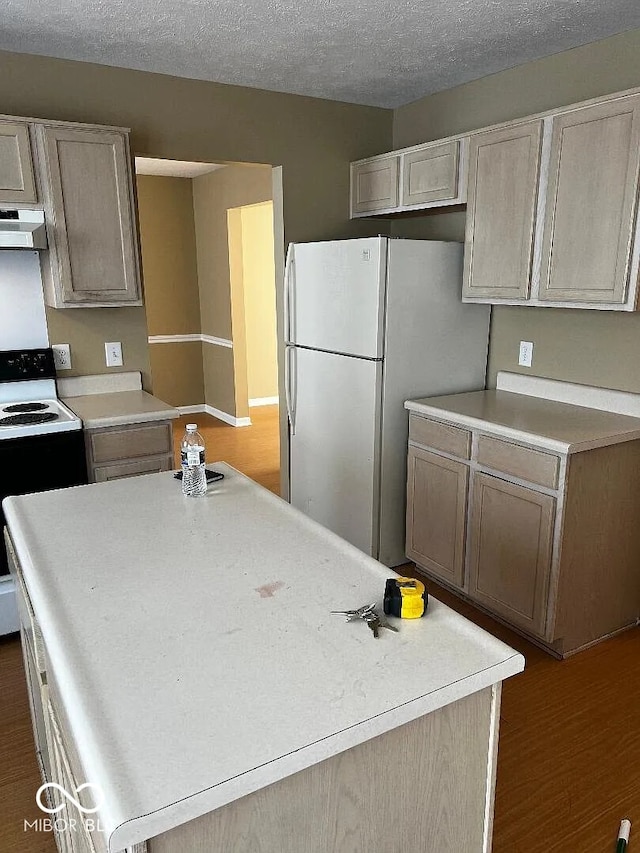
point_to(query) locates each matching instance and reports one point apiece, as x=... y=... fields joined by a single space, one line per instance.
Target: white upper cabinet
x=17 y=185
x=591 y=198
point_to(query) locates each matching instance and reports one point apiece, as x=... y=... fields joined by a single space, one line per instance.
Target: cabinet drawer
x=134 y=468
x=535 y=466
x=440 y=436
x=119 y=443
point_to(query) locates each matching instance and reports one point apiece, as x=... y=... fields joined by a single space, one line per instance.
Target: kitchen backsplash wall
x=22 y=316
x=588 y=347
x=87 y=330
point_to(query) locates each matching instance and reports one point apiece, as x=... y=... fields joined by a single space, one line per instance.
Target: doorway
x=207 y=241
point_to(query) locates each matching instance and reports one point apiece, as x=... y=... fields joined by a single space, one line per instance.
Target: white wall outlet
x=62 y=356
x=525 y=356
x=113 y=352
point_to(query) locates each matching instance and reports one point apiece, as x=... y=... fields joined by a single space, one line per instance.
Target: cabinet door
x=16 y=165
x=91 y=220
x=436 y=512
x=510 y=551
x=590 y=203
x=502 y=194
x=374 y=185
x=430 y=174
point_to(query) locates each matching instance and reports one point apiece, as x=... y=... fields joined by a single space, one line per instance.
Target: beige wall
x=219 y=376
x=177 y=370
x=214 y=195
x=312 y=139
x=87 y=329
x=258 y=284
x=172 y=303
x=168 y=243
x=591 y=347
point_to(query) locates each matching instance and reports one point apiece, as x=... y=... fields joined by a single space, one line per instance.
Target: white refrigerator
x=370 y=323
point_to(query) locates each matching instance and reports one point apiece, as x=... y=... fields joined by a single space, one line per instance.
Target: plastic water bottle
x=194 y=478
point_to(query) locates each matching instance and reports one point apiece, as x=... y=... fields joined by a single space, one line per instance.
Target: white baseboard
x=190 y=410
x=227 y=418
x=215 y=413
x=264 y=401
x=182 y=339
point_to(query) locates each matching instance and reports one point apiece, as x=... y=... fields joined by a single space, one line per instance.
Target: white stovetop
x=195 y=651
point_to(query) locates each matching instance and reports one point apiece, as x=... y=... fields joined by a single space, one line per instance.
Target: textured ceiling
x=378 y=52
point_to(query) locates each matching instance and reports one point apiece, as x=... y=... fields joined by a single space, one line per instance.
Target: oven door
x=39 y=462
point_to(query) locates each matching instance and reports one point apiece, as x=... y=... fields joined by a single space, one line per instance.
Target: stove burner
x=26 y=407
x=28 y=418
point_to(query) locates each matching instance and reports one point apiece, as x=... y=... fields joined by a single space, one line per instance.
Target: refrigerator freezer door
x=335 y=295
x=335 y=447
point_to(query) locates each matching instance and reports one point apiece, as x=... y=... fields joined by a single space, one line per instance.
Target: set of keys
x=368 y=614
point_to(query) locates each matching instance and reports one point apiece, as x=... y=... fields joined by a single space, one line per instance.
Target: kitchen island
x=183 y=657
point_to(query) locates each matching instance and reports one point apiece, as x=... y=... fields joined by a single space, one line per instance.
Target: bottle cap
x=192 y=427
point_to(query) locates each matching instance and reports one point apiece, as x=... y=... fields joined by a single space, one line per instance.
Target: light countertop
x=119 y=407
x=561 y=427
x=194 y=648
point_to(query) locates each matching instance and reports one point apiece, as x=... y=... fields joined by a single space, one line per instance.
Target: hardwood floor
x=569 y=737
x=253 y=450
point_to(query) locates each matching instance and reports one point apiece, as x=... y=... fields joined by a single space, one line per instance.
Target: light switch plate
x=113 y=353
x=525 y=356
x=61 y=356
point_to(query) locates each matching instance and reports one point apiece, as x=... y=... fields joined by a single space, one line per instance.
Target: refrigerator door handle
x=289 y=353
x=287 y=293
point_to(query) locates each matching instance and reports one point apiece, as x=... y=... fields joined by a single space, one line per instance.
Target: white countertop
x=119 y=407
x=557 y=426
x=195 y=651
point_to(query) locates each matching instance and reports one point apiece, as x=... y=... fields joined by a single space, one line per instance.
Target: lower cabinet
x=129 y=450
x=436 y=513
x=546 y=542
x=510 y=551
x=69 y=826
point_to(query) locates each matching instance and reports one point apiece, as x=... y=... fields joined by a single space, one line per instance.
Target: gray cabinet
x=129 y=450
x=424 y=176
x=510 y=551
x=89 y=206
x=436 y=513
x=527 y=534
x=374 y=185
x=504 y=167
x=430 y=174
x=591 y=203
x=17 y=184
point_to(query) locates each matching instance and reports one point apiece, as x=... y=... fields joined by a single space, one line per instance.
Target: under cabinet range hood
x=22 y=229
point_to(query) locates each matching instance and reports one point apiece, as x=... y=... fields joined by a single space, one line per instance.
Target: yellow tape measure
x=405 y=597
